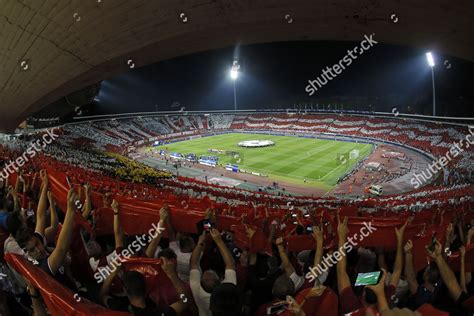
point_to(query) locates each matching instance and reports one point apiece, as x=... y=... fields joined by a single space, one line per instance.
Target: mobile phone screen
x=277 y=308
x=207 y=226
x=369 y=278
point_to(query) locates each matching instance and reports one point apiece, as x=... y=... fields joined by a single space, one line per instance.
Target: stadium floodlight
x=431 y=63
x=430 y=59
x=234 y=74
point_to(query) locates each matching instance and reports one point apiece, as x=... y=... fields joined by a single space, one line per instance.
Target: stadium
x=182 y=159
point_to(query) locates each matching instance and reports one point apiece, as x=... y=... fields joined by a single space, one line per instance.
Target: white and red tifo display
x=256 y=143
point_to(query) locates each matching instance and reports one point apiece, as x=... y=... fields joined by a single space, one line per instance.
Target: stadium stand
x=216 y=249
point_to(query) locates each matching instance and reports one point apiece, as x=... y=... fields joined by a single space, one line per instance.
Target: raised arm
x=469 y=235
x=379 y=290
x=196 y=254
x=289 y=269
x=319 y=237
x=151 y=249
x=468 y=242
x=118 y=231
x=410 y=274
x=381 y=258
x=462 y=251
x=16 y=201
x=343 y=280
x=398 y=267
x=447 y=274
x=171 y=232
x=106 y=286
x=51 y=231
x=23 y=203
x=56 y=259
x=225 y=252
x=87 y=203
x=185 y=298
x=449 y=237
x=42 y=204
x=271 y=235
x=38 y=308
x=19 y=180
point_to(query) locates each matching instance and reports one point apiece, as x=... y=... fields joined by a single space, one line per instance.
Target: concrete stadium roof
x=49 y=49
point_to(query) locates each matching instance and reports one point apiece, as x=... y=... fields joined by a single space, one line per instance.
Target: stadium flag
x=342 y=158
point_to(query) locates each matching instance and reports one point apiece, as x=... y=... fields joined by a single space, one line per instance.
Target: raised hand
x=293 y=306
x=469 y=235
x=408 y=246
x=163 y=214
x=168 y=267
x=11 y=191
x=401 y=231
x=51 y=198
x=202 y=238
x=342 y=229
x=216 y=235
x=208 y=213
x=250 y=232
x=71 y=199
x=115 y=205
x=436 y=251
x=44 y=176
x=87 y=188
x=379 y=288
x=449 y=231
x=317 y=234
x=279 y=242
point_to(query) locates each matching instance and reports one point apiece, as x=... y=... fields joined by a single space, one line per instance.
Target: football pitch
x=291 y=159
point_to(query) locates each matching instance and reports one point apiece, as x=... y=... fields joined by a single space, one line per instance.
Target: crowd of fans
x=206 y=273
x=208 y=270
x=436 y=139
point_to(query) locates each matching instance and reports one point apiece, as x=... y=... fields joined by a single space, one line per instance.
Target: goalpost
x=343 y=158
x=354 y=154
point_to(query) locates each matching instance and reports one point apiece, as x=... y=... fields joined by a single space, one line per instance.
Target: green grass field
x=291 y=159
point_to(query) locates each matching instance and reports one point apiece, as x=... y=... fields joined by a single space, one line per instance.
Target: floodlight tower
x=431 y=63
x=234 y=74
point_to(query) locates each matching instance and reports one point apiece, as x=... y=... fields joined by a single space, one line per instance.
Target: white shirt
x=201 y=297
x=402 y=286
x=11 y=246
x=182 y=259
x=95 y=263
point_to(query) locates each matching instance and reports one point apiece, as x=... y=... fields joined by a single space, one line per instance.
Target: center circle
x=256 y=143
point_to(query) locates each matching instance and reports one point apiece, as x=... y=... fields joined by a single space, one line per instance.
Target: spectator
x=202 y=284
x=137 y=300
x=34 y=242
x=429 y=290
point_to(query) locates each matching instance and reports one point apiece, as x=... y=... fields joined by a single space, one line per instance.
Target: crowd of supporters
x=74 y=223
x=207 y=273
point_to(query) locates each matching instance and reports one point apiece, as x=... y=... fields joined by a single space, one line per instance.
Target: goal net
x=354 y=154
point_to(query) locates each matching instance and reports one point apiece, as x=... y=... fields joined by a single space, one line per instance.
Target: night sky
x=275 y=75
